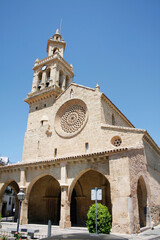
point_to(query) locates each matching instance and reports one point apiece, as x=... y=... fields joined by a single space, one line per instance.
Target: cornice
x=146 y=135
x=129 y=129
x=55 y=57
x=76 y=85
x=116 y=109
x=96 y=156
x=43 y=94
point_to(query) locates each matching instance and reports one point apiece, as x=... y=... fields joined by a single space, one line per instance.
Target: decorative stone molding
x=71 y=118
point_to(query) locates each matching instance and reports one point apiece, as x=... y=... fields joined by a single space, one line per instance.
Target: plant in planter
x=104 y=219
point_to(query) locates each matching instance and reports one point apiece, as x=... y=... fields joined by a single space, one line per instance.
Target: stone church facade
x=76 y=140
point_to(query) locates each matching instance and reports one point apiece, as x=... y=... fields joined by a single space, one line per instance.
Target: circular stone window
x=71 y=118
x=116 y=141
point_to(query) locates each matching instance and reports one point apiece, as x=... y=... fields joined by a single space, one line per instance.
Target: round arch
x=80 y=194
x=142 y=198
x=15 y=187
x=29 y=188
x=44 y=194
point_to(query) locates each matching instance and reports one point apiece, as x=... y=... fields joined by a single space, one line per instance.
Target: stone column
x=54 y=76
x=57 y=77
x=65 y=204
x=43 y=83
x=65 y=208
x=24 y=211
x=64 y=82
x=24 y=207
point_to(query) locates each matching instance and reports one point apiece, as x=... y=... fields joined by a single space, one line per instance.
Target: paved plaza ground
x=76 y=233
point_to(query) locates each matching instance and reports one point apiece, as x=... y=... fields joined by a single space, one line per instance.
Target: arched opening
x=113 y=119
x=71 y=94
x=81 y=196
x=67 y=81
x=142 y=202
x=60 y=79
x=54 y=50
x=39 y=80
x=48 y=77
x=9 y=201
x=44 y=201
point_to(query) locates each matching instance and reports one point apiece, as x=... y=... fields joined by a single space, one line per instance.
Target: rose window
x=116 y=141
x=73 y=118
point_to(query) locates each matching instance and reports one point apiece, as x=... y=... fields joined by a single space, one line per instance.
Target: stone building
x=76 y=140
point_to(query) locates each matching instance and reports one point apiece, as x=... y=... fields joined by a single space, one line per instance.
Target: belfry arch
x=142 y=202
x=44 y=201
x=14 y=186
x=80 y=195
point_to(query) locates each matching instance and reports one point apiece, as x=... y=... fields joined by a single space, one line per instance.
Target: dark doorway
x=142 y=202
x=81 y=196
x=44 y=201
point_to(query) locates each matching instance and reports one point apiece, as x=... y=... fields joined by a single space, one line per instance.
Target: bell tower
x=53 y=73
x=52 y=76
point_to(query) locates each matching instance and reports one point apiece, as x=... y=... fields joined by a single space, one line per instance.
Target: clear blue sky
x=113 y=42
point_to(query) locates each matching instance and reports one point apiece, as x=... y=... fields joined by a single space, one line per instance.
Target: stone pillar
x=120 y=194
x=64 y=82
x=65 y=208
x=24 y=207
x=43 y=83
x=24 y=211
x=54 y=76
x=22 y=178
x=63 y=173
x=35 y=82
x=65 y=204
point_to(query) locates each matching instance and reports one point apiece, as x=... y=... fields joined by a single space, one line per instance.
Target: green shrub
x=18 y=236
x=104 y=219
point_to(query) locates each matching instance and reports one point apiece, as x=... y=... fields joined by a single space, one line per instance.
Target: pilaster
x=24 y=207
x=65 y=204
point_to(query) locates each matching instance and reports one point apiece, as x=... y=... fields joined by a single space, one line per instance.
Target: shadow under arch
x=142 y=198
x=44 y=194
x=80 y=194
x=15 y=187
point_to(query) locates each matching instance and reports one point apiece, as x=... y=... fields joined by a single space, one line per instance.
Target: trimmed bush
x=104 y=219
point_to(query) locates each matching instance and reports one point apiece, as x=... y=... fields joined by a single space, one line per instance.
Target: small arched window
x=86 y=147
x=71 y=94
x=54 y=50
x=113 y=119
x=40 y=77
x=48 y=77
x=60 y=79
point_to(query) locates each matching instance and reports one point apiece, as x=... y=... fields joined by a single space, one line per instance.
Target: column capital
x=63 y=164
x=64 y=185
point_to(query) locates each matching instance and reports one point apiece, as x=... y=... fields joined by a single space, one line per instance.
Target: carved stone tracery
x=73 y=118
